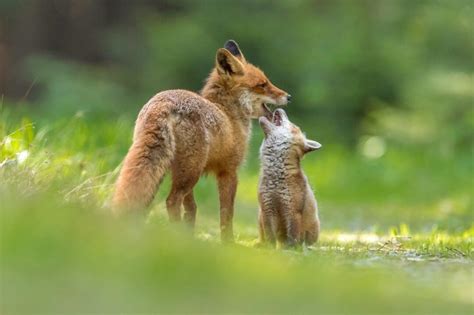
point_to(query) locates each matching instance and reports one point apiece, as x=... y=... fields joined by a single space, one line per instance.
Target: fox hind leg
x=190 y=209
x=182 y=185
x=186 y=169
x=312 y=233
x=173 y=205
x=183 y=178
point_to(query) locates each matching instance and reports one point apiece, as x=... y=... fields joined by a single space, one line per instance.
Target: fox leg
x=266 y=228
x=281 y=234
x=190 y=209
x=261 y=231
x=293 y=229
x=227 y=184
x=311 y=219
x=269 y=228
x=173 y=205
x=186 y=169
x=182 y=185
x=312 y=233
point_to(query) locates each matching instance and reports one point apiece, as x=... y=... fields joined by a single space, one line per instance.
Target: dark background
x=398 y=69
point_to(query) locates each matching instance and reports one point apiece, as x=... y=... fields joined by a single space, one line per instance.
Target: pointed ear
x=226 y=63
x=232 y=46
x=310 y=145
x=266 y=125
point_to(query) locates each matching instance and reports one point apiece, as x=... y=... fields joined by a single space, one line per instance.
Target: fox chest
x=276 y=195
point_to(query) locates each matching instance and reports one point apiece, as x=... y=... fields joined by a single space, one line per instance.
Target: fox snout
x=281 y=97
x=284 y=100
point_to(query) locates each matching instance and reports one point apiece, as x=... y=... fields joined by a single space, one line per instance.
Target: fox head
x=284 y=136
x=245 y=81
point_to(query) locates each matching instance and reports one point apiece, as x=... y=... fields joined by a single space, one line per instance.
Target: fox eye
x=262 y=85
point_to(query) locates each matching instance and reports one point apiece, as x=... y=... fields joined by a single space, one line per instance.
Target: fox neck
x=227 y=98
x=279 y=162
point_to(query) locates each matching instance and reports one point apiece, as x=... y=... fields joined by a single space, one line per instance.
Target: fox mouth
x=277 y=119
x=267 y=110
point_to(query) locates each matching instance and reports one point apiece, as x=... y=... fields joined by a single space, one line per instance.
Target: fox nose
x=288 y=98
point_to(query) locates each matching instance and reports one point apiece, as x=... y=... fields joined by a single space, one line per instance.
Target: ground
x=396 y=233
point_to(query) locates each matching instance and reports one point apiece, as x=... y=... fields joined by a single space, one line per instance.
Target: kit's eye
x=262 y=85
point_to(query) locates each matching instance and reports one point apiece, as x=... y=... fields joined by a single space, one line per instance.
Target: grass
x=396 y=233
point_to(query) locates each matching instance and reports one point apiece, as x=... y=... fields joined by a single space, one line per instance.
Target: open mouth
x=277 y=118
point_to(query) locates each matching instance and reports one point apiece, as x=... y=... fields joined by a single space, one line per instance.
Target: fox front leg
x=293 y=230
x=227 y=184
x=261 y=230
x=268 y=223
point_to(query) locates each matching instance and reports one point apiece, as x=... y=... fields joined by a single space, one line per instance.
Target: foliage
x=354 y=68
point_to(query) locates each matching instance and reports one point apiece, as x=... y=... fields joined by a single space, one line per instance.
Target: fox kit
x=288 y=208
x=190 y=134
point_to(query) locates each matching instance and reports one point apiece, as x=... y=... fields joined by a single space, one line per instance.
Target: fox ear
x=232 y=46
x=310 y=145
x=227 y=63
x=266 y=125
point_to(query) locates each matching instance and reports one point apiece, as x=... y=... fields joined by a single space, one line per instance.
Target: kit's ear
x=226 y=63
x=310 y=145
x=232 y=46
x=266 y=125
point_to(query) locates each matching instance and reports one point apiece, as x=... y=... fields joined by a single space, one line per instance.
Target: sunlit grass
x=76 y=254
x=384 y=247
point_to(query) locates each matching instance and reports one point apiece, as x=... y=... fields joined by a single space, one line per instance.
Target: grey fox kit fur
x=288 y=209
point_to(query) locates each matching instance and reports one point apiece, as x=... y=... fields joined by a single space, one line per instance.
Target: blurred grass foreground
x=387 y=88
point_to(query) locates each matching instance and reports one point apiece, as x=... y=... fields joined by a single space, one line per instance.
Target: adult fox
x=193 y=134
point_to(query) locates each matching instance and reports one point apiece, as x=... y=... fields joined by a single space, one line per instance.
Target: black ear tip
x=232 y=46
x=230 y=42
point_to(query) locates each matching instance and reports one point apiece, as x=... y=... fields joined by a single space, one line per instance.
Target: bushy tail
x=144 y=166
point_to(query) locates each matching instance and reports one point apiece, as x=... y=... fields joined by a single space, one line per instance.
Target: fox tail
x=145 y=165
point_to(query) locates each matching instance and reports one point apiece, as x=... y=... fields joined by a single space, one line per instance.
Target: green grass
x=396 y=233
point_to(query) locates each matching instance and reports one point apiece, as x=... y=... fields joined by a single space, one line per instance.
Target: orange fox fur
x=288 y=208
x=190 y=134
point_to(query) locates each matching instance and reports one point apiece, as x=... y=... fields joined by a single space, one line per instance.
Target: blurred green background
x=386 y=86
